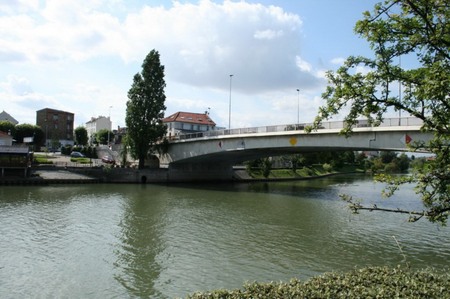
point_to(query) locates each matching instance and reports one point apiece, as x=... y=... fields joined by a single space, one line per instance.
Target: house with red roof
x=188 y=122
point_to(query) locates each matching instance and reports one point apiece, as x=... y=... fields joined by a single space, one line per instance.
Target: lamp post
x=229 y=107
x=109 y=119
x=298 y=106
x=400 y=92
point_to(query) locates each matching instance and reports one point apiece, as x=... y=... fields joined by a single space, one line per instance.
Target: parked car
x=76 y=155
x=108 y=159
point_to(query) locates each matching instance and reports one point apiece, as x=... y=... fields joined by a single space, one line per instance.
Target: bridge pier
x=194 y=172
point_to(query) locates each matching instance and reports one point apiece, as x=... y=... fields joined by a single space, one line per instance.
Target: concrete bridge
x=211 y=155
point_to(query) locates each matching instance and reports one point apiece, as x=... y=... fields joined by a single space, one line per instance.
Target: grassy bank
x=371 y=282
x=305 y=172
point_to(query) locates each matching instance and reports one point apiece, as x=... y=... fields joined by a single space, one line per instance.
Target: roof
x=189 y=117
x=13 y=150
x=6 y=116
x=50 y=110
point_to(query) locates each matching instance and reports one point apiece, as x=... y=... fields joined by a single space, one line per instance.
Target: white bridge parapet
x=396 y=124
x=238 y=145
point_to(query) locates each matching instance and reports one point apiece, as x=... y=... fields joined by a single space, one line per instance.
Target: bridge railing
x=387 y=122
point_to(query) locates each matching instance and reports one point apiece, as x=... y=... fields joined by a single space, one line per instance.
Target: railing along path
x=387 y=122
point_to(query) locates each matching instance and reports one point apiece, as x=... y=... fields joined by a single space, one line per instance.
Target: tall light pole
x=229 y=107
x=298 y=106
x=109 y=118
x=400 y=92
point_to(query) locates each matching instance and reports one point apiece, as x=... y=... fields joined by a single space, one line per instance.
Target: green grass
x=80 y=160
x=305 y=172
x=41 y=159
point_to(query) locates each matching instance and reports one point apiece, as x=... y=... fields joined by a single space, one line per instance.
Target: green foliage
x=7 y=127
x=387 y=156
x=370 y=282
x=145 y=108
x=28 y=130
x=41 y=159
x=81 y=136
x=266 y=167
x=327 y=167
x=80 y=160
x=66 y=150
x=418 y=31
x=103 y=135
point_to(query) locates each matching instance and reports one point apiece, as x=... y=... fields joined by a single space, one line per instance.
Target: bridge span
x=211 y=154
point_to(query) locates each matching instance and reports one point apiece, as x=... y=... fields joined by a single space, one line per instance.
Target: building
x=4 y=116
x=5 y=139
x=57 y=126
x=188 y=122
x=97 y=124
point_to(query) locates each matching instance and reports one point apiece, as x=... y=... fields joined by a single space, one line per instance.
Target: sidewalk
x=61 y=175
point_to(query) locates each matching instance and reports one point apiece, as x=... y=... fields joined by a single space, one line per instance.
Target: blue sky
x=81 y=55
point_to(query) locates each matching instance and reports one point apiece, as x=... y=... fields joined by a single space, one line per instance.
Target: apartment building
x=57 y=126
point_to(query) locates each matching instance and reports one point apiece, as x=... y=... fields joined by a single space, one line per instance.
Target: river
x=165 y=241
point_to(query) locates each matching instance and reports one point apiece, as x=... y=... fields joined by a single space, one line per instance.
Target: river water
x=157 y=241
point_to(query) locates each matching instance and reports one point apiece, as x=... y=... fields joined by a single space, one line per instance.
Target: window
x=55 y=116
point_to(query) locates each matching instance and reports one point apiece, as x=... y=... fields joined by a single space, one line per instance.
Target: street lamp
x=298 y=106
x=229 y=107
x=109 y=118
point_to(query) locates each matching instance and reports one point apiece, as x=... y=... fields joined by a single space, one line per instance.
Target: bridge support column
x=196 y=172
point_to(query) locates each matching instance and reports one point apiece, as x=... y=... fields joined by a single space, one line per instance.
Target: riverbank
x=305 y=173
x=92 y=175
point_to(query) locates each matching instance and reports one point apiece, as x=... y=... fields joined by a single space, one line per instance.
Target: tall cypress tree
x=145 y=108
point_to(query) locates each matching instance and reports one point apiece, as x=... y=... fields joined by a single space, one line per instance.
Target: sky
x=80 y=56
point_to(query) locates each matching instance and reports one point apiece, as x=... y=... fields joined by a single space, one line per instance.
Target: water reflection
x=158 y=241
x=140 y=243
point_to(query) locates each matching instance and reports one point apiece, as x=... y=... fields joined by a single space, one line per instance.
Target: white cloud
x=200 y=44
x=17 y=86
x=65 y=48
x=338 y=61
x=268 y=34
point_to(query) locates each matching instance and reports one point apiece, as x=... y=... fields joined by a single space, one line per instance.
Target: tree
x=81 y=136
x=145 y=108
x=103 y=135
x=7 y=127
x=387 y=156
x=28 y=130
x=416 y=30
x=266 y=167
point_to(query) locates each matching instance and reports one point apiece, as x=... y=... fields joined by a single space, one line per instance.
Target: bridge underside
x=213 y=158
x=232 y=157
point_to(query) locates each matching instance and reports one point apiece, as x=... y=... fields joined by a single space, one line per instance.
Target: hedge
x=370 y=282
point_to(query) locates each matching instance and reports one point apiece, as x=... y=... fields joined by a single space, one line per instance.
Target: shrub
x=80 y=160
x=371 y=282
x=38 y=159
x=327 y=167
x=66 y=150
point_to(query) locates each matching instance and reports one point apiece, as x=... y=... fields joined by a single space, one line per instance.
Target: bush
x=66 y=150
x=371 y=282
x=38 y=159
x=80 y=160
x=327 y=167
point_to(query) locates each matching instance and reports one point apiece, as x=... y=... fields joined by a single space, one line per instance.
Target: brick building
x=57 y=126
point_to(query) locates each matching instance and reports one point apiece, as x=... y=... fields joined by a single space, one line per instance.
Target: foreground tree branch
x=418 y=30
